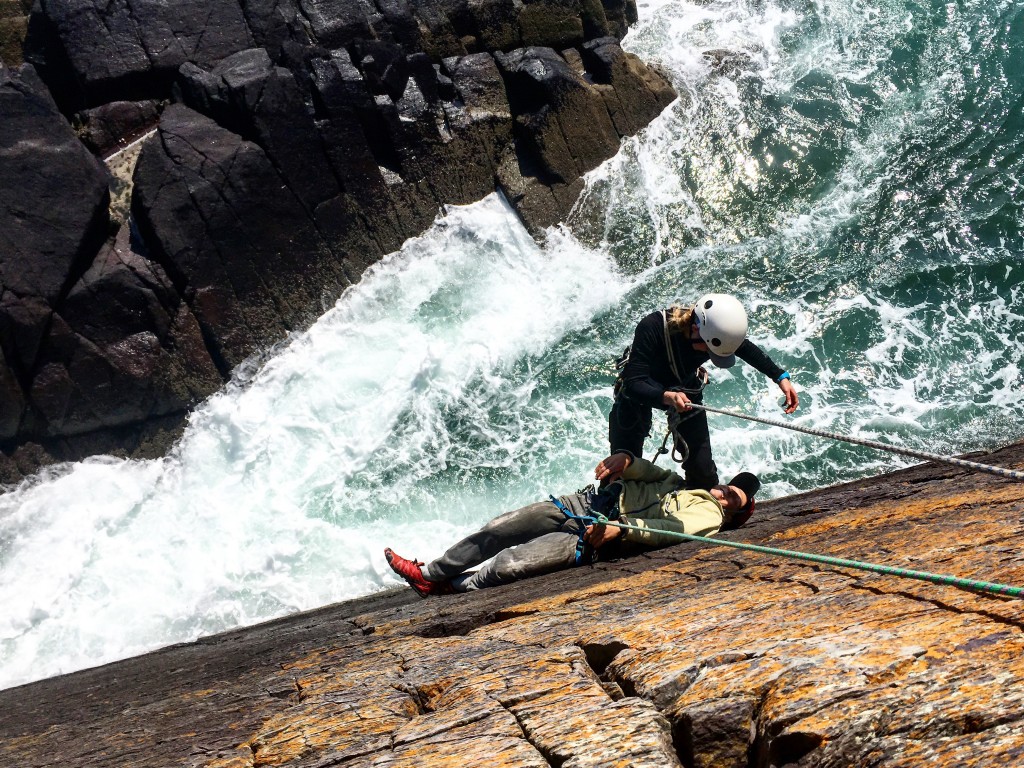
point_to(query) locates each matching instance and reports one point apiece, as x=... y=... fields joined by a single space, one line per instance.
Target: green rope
x=934 y=578
x=1013 y=474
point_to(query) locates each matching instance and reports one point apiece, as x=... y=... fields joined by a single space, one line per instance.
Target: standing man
x=662 y=369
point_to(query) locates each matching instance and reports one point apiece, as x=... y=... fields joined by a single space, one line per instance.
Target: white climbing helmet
x=722 y=324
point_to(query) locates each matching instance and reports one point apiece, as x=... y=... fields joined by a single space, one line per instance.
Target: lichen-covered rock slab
x=694 y=655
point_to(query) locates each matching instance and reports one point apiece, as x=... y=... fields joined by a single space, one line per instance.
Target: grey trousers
x=542 y=540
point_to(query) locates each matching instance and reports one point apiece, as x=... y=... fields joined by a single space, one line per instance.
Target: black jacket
x=647 y=373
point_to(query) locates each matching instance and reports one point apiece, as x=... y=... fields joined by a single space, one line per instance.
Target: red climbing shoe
x=410 y=571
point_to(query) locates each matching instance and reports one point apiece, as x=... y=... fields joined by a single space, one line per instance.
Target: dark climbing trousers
x=530 y=541
x=630 y=423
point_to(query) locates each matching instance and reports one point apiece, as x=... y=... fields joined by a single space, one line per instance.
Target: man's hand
x=792 y=401
x=676 y=400
x=597 y=535
x=611 y=468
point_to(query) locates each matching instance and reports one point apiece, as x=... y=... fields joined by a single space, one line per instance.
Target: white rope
x=126 y=147
x=1000 y=471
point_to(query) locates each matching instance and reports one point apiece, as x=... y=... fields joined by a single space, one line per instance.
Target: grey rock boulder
x=634 y=93
x=123 y=348
x=129 y=48
x=238 y=244
x=298 y=142
x=109 y=127
x=53 y=202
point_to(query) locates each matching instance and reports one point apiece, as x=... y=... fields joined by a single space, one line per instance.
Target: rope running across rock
x=889 y=570
x=935 y=578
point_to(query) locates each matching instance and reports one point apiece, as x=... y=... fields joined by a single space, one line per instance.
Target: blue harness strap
x=582 y=521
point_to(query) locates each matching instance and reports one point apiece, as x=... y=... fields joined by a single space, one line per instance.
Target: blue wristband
x=785 y=375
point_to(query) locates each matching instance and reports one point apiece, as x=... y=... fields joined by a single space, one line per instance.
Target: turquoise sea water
x=852 y=171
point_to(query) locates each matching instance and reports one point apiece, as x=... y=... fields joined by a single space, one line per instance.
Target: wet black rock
x=53 y=219
x=289 y=145
x=54 y=197
x=108 y=128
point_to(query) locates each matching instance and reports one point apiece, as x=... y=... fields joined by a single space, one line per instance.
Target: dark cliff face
x=288 y=146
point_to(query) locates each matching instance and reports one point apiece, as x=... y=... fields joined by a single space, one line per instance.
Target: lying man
x=546 y=536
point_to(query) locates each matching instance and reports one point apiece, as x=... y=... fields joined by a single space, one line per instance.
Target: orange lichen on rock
x=696 y=655
x=723 y=655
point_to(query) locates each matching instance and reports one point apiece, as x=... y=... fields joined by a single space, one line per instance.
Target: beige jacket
x=656 y=499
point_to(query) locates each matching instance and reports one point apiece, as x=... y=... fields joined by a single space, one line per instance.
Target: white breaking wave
x=284 y=491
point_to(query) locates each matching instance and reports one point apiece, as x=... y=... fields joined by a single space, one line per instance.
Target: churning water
x=851 y=170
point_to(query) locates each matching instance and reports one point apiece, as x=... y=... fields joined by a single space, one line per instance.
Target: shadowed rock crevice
x=454 y=626
x=770 y=743
x=718 y=734
x=812 y=588
x=1017 y=624
x=600 y=655
x=420 y=696
x=592 y=593
x=289 y=690
x=549 y=755
x=501 y=616
x=791 y=748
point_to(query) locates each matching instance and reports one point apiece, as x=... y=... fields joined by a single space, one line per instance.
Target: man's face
x=695 y=340
x=730 y=497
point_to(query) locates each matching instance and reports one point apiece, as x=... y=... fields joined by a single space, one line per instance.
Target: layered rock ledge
x=282 y=147
x=694 y=655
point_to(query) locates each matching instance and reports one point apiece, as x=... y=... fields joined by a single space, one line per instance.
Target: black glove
x=606 y=500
